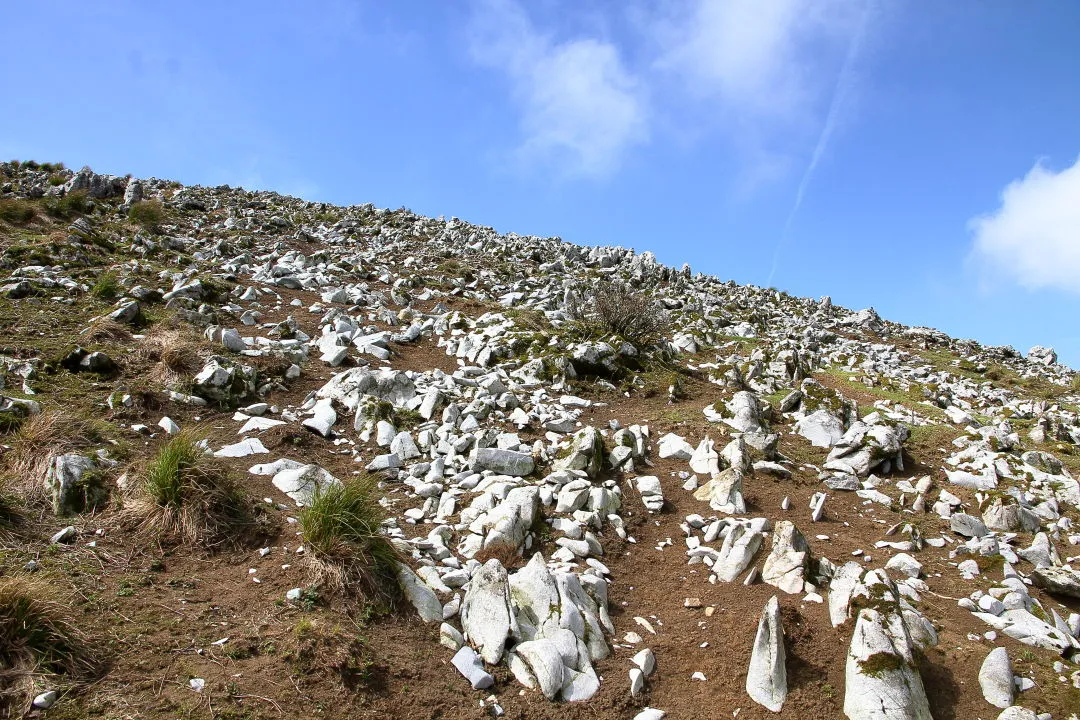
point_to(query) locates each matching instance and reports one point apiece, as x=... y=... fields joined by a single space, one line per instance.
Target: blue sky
x=918 y=157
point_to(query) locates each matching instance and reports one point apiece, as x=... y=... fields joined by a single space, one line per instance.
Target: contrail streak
x=840 y=92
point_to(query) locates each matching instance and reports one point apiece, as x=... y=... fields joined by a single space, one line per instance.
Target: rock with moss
x=586 y=453
x=74 y=484
x=225 y=382
x=882 y=681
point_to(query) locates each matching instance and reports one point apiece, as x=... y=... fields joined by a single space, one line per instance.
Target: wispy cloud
x=840 y=94
x=1033 y=238
x=581 y=109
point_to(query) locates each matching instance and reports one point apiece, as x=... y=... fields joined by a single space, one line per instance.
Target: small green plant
x=68 y=206
x=189 y=494
x=341 y=529
x=148 y=214
x=57 y=179
x=38 y=637
x=106 y=287
x=16 y=211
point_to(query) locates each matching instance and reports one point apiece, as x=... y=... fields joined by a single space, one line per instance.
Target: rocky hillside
x=267 y=458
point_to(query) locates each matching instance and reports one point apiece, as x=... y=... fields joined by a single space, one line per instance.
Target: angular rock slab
x=785 y=567
x=881 y=680
x=486 y=615
x=766 y=680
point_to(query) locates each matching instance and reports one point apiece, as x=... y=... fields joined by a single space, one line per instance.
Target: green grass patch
x=341 y=529
x=188 y=494
x=107 y=286
x=148 y=214
x=68 y=206
x=16 y=211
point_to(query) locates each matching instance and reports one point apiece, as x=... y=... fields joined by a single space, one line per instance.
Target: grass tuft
x=187 y=494
x=148 y=214
x=614 y=309
x=68 y=206
x=173 y=353
x=341 y=529
x=16 y=211
x=107 y=286
x=38 y=638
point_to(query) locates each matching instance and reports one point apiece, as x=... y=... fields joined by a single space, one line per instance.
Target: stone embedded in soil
x=881 y=678
x=766 y=678
x=468 y=664
x=996 y=678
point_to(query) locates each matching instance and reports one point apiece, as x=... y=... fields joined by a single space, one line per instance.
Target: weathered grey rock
x=504 y=462
x=486 y=615
x=1042 y=355
x=737 y=552
x=745 y=409
x=674 y=446
x=301 y=483
x=652 y=494
x=421 y=596
x=1009 y=517
x=843 y=582
x=1057 y=581
x=821 y=428
x=996 y=678
x=786 y=565
x=508 y=522
x=766 y=679
x=127 y=313
x=586 y=453
x=547 y=665
x=967 y=525
x=705 y=460
x=1018 y=713
x=73 y=485
x=881 y=679
x=904 y=564
x=724 y=492
x=224 y=381
x=468 y=664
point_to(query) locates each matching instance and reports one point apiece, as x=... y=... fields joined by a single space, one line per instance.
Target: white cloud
x=759 y=58
x=1034 y=237
x=581 y=109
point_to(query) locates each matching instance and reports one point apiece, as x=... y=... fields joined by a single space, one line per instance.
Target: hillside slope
x=267 y=458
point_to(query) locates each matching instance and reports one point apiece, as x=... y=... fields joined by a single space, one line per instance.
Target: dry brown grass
x=173 y=353
x=106 y=330
x=39 y=641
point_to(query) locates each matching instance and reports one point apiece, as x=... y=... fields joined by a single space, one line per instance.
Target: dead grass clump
x=173 y=353
x=187 y=494
x=345 y=547
x=38 y=640
x=10 y=511
x=507 y=556
x=106 y=330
